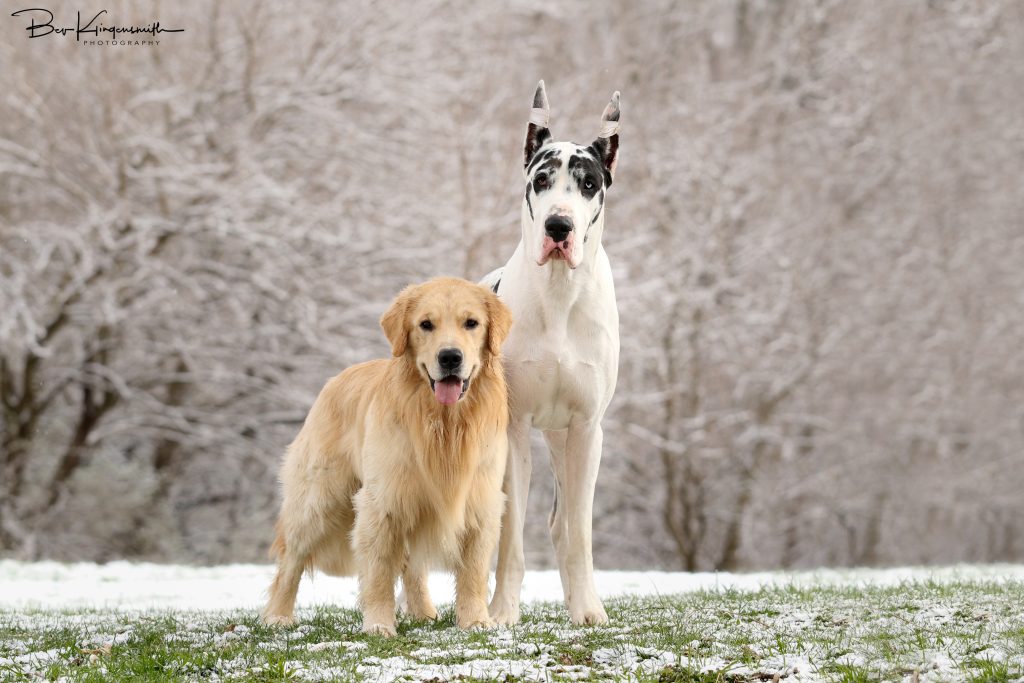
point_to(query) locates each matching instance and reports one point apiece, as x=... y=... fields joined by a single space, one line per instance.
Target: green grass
x=934 y=632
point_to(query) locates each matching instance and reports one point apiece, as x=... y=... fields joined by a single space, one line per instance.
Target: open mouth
x=448 y=390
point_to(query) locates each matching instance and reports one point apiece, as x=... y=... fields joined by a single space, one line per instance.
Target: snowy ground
x=154 y=622
x=52 y=585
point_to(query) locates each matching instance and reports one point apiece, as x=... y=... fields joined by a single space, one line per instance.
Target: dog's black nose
x=558 y=227
x=449 y=359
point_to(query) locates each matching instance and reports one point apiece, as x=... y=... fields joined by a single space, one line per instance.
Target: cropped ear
x=606 y=146
x=537 y=132
x=499 y=322
x=395 y=320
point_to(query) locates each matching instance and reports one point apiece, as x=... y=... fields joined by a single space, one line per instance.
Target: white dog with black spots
x=562 y=356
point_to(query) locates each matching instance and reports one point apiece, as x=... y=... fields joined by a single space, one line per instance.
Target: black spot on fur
x=600 y=207
x=541 y=156
x=585 y=168
x=494 y=287
x=528 y=204
x=545 y=170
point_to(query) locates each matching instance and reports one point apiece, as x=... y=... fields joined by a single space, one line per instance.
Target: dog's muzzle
x=559 y=239
x=451 y=387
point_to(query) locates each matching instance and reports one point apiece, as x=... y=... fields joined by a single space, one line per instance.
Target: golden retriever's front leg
x=379 y=547
x=418 y=604
x=471 y=577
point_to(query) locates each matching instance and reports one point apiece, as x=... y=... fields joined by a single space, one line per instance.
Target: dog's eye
x=588 y=184
x=541 y=179
x=426 y=326
x=470 y=324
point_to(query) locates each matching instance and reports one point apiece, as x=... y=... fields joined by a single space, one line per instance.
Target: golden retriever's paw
x=278 y=620
x=591 y=616
x=422 y=613
x=386 y=630
x=504 y=614
x=480 y=624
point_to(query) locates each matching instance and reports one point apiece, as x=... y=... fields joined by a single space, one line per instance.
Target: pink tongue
x=448 y=390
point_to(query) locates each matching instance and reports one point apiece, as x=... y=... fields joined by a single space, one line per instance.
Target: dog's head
x=566 y=185
x=450 y=329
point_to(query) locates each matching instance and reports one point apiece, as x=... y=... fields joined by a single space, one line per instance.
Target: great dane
x=562 y=356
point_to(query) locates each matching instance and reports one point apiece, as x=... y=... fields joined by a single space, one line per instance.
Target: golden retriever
x=400 y=463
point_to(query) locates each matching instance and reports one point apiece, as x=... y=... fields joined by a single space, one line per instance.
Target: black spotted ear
x=606 y=146
x=537 y=132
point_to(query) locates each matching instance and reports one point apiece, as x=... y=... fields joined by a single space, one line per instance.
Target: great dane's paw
x=277 y=620
x=504 y=613
x=589 y=616
x=377 y=629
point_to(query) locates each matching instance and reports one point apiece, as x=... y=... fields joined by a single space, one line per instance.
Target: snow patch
x=336 y=645
x=125 y=585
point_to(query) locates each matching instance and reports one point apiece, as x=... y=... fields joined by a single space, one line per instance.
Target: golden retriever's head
x=450 y=329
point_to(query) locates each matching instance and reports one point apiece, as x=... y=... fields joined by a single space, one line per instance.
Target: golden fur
x=384 y=480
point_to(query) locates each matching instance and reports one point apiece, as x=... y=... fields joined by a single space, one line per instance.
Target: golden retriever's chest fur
x=435 y=469
x=433 y=482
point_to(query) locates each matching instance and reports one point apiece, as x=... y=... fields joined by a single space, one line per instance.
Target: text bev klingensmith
x=39 y=30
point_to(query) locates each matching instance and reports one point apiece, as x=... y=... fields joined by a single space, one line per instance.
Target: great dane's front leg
x=511 y=568
x=572 y=522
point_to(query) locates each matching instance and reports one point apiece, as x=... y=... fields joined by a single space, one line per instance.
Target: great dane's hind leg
x=556 y=520
x=504 y=608
x=577 y=477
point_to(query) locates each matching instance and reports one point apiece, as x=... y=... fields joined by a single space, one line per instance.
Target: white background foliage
x=816 y=231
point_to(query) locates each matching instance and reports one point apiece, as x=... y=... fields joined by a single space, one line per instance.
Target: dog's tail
x=277 y=548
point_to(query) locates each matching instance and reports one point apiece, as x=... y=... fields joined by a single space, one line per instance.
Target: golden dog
x=400 y=463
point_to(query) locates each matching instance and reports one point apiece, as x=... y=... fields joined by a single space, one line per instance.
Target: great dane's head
x=563 y=211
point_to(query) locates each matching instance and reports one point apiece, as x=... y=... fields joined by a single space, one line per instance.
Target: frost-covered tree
x=815 y=233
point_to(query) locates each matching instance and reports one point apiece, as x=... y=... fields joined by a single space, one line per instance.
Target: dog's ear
x=537 y=132
x=606 y=146
x=395 y=320
x=499 y=321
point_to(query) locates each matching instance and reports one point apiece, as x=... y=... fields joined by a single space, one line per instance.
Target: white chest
x=562 y=365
